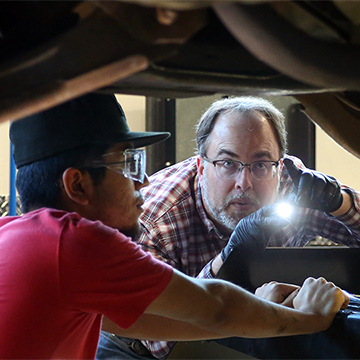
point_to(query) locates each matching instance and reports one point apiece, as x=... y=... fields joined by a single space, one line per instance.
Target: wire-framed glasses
x=133 y=166
x=228 y=169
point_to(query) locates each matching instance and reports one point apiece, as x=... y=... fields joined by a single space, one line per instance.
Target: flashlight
x=284 y=210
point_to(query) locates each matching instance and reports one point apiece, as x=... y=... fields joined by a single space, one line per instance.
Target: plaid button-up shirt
x=177 y=230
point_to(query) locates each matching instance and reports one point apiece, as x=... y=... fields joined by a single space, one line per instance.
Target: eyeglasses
x=229 y=169
x=133 y=166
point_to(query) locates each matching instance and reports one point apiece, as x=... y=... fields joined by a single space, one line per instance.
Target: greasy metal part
x=115 y=40
x=166 y=16
x=301 y=15
x=70 y=65
x=171 y=4
x=288 y=50
x=187 y=4
x=57 y=93
x=167 y=82
x=350 y=9
x=328 y=111
x=142 y=22
x=85 y=9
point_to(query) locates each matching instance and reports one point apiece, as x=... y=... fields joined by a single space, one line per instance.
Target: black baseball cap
x=91 y=119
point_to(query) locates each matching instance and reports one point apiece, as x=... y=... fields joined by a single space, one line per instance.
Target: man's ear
x=281 y=165
x=200 y=165
x=280 y=169
x=77 y=185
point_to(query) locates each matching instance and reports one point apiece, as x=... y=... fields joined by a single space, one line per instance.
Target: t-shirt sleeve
x=102 y=271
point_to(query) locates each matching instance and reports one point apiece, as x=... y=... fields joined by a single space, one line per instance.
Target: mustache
x=241 y=196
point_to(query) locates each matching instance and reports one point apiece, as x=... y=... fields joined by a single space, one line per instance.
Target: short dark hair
x=38 y=183
x=243 y=104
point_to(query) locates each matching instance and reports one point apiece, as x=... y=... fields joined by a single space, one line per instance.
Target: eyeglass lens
x=133 y=167
x=260 y=170
x=135 y=164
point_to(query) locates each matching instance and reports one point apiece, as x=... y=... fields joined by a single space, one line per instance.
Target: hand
x=279 y=293
x=320 y=297
x=253 y=232
x=313 y=189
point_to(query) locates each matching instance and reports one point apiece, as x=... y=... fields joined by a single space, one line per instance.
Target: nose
x=243 y=179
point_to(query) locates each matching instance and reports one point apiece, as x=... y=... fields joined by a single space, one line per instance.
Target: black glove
x=253 y=232
x=313 y=189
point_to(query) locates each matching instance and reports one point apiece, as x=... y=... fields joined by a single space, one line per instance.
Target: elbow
x=217 y=314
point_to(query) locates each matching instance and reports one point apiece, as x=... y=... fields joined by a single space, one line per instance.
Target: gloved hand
x=313 y=189
x=253 y=232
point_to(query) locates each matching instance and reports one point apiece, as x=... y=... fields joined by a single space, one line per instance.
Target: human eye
x=260 y=165
x=133 y=158
x=227 y=164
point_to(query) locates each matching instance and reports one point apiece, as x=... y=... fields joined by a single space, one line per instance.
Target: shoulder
x=172 y=176
x=70 y=229
x=171 y=185
x=170 y=201
x=45 y=220
x=68 y=222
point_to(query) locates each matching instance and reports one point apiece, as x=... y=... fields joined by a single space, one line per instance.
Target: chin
x=238 y=215
x=133 y=232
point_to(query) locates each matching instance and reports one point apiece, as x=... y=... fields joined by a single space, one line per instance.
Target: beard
x=220 y=214
x=133 y=232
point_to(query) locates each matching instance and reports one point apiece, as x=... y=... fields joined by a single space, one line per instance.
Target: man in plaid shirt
x=192 y=208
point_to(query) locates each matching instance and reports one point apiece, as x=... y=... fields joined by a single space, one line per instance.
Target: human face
x=244 y=138
x=117 y=200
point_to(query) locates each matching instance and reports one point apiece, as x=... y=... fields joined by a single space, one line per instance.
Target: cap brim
x=140 y=139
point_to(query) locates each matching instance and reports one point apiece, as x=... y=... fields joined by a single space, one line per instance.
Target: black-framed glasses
x=133 y=166
x=229 y=169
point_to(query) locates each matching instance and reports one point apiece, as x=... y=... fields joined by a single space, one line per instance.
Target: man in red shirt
x=68 y=260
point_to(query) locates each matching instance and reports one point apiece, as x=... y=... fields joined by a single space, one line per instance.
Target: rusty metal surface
x=88 y=57
x=155 y=26
x=54 y=51
x=48 y=96
x=290 y=51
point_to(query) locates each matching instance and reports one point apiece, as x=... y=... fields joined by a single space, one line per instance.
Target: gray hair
x=243 y=105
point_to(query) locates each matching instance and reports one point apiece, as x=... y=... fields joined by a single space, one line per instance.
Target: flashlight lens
x=284 y=210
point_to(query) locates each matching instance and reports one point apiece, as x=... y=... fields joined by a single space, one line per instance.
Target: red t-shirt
x=58 y=273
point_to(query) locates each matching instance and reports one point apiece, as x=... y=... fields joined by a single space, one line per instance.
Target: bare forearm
x=252 y=317
x=266 y=319
x=252 y=323
x=153 y=327
x=223 y=308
